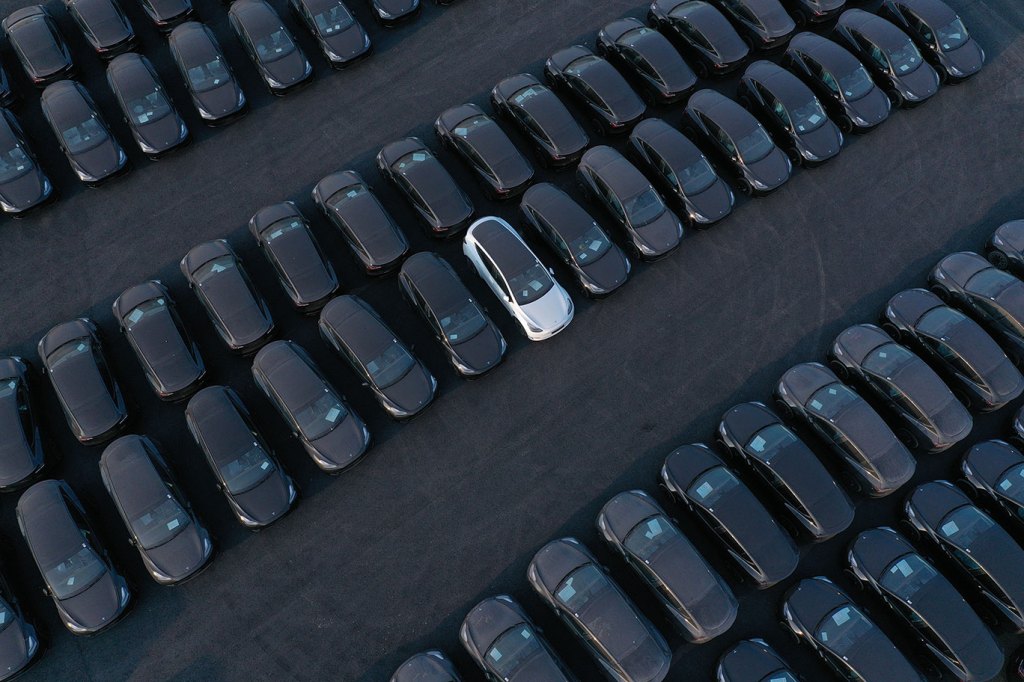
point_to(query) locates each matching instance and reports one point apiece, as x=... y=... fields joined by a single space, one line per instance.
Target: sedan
x=473 y=343
x=789 y=468
x=792 y=112
x=286 y=240
x=926 y=601
x=929 y=414
x=219 y=281
x=153 y=120
x=649 y=58
x=166 y=14
x=426 y=185
x=515 y=275
x=169 y=357
x=702 y=32
x=82 y=133
x=624 y=643
x=698 y=601
x=973 y=364
x=271 y=47
x=823 y=616
x=90 y=396
x=877 y=462
x=608 y=178
x=103 y=24
x=596 y=86
x=681 y=172
x=890 y=54
x=22 y=451
x=341 y=38
x=764 y=23
x=333 y=435
x=20 y=646
x=753 y=660
x=39 y=45
x=995 y=469
x=89 y=593
x=501 y=639
x=600 y=266
x=696 y=476
x=739 y=140
x=390 y=12
x=171 y=540
x=486 y=149
x=215 y=93
x=255 y=486
x=539 y=115
x=940 y=33
x=428 y=666
x=23 y=184
x=402 y=384
x=1005 y=248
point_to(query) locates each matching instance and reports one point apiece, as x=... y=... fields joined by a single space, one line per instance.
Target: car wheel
x=744 y=101
x=794 y=156
x=998 y=259
x=896 y=98
x=963 y=397
x=909 y=439
x=744 y=186
x=799 y=17
x=941 y=293
x=943 y=74
x=839 y=369
x=906 y=528
x=783 y=410
x=598 y=125
x=892 y=330
x=701 y=69
x=789 y=631
x=845 y=123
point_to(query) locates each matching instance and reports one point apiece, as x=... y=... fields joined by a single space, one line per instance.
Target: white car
x=517 y=277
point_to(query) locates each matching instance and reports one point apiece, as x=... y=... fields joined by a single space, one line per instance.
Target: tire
x=839 y=370
x=941 y=293
x=794 y=156
x=701 y=69
x=909 y=439
x=907 y=530
x=744 y=187
x=744 y=101
x=943 y=74
x=845 y=123
x=896 y=98
x=783 y=410
x=799 y=17
x=998 y=259
x=892 y=330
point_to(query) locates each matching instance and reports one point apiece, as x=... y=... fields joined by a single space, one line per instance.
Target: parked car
x=280 y=62
x=995 y=469
x=166 y=14
x=83 y=135
x=39 y=45
x=557 y=138
x=152 y=118
x=7 y=96
x=22 y=450
x=610 y=102
x=940 y=34
x=702 y=32
x=428 y=666
x=619 y=637
x=1005 y=248
x=211 y=84
x=390 y=12
x=339 y=35
x=486 y=149
x=104 y=25
x=649 y=58
x=765 y=24
x=23 y=184
x=753 y=660
x=173 y=543
x=21 y=646
x=813 y=11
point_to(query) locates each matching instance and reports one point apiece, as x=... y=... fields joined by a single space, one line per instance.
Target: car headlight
x=88 y=177
x=646 y=250
x=125 y=596
x=182 y=131
x=122 y=158
x=146 y=147
x=758 y=184
x=954 y=71
x=533 y=328
x=272 y=82
x=204 y=114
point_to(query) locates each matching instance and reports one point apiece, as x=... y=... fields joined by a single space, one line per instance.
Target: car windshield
x=67 y=351
x=644 y=208
x=770 y=441
x=842 y=629
x=274 y=46
x=150 y=107
x=391 y=365
x=580 y=587
x=964 y=525
x=1012 y=484
x=712 y=485
x=8 y=387
x=952 y=35
x=470 y=124
x=512 y=650
x=779 y=676
x=650 y=536
x=75 y=574
x=281 y=227
x=886 y=360
x=940 y=321
x=320 y=415
x=755 y=145
x=342 y=197
x=856 y=84
x=697 y=177
x=406 y=163
x=521 y=97
x=590 y=245
x=463 y=323
x=209 y=270
x=333 y=20
x=530 y=284
x=86 y=135
x=208 y=76
x=247 y=471
x=144 y=310
x=905 y=59
x=161 y=523
x=810 y=116
x=989 y=282
x=14 y=163
x=6 y=616
x=907 y=576
x=580 y=66
x=829 y=401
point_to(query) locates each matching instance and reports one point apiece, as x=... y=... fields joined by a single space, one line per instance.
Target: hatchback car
x=753 y=660
x=22 y=450
x=598 y=263
x=486 y=149
x=648 y=58
x=995 y=469
x=152 y=118
x=222 y=286
x=652 y=229
x=169 y=357
x=339 y=35
x=390 y=12
x=255 y=486
x=401 y=384
x=166 y=14
x=104 y=25
x=697 y=600
x=21 y=646
x=271 y=47
x=1005 y=248
x=610 y=102
x=39 y=45
x=620 y=638
x=89 y=395
x=702 y=32
x=539 y=115
x=83 y=135
x=940 y=33
x=428 y=666
x=215 y=93
x=23 y=184
x=515 y=275
x=473 y=343
x=173 y=543
x=85 y=586
x=765 y=24
x=875 y=459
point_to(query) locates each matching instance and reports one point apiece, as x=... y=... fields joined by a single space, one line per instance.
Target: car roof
x=256 y=16
x=990 y=459
x=503 y=245
x=435 y=282
x=671 y=144
x=750 y=660
x=880 y=31
x=621 y=176
x=130 y=73
x=724 y=111
x=223 y=427
x=65 y=100
x=51 y=531
x=358 y=324
x=826 y=52
x=290 y=373
x=782 y=83
x=132 y=475
x=934 y=12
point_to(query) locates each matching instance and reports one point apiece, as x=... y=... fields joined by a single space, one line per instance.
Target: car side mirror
x=551 y=271
x=46 y=591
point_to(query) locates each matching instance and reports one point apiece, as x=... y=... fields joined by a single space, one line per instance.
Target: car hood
x=26 y=191
x=608 y=271
x=349 y=43
x=662 y=234
x=99 y=604
x=98 y=413
x=267 y=501
x=181 y=555
x=289 y=69
x=344 y=443
x=412 y=391
x=540 y=668
x=13 y=649
x=100 y=161
x=772 y=170
x=649 y=662
x=161 y=134
x=872 y=108
x=221 y=100
x=450 y=207
x=953 y=421
x=922 y=81
x=714 y=202
x=824 y=142
x=968 y=58
x=550 y=310
x=482 y=351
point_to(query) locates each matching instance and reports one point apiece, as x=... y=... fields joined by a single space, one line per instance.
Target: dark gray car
x=648 y=58
x=271 y=47
x=23 y=184
x=39 y=45
x=753 y=660
x=340 y=36
x=940 y=33
x=428 y=666
x=764 y=23
x=597 y=87
x=166 y=14
x=995 y=469
x=538 y=113
x=82 y=133
x=152 y=118
x=20 y=645
x=104 y=25
x=22 y=451
x=813 y=11
x=486 y=149
x=215 y=93
x=1005 y=248
x=702 y=32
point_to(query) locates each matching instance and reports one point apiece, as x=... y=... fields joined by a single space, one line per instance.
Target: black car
x=824 y=617
x=481 y=143
x=20 y=646
x=929 y=414
x=288 y=243
x=610 y=102
x=792 y=112
x=90 y=396
x=39 y=45
x=739 y=140
x=426 y=185
x=1005 y=248
x=222 y=286
x=473 y=343
x=765 y=23
x=252 y=480
x=23 y=184
x=982 y=550
x=649 y=58
x=620 y=638
x=698 y=601
x=333 y=435
x=505 y=643
x=271 y=47
x=352 y=207
x=173 y=543
x=946 y=626
x=940 y=33
x=788 y=467
x=82 y=133
x=104 y=25
x=598 y=263
x=89 y=593
x=340 y=36
x=215 y=93
x=390 y=12
x=753 y=660
x=538 y=113
x=702 y=32
x=813 y=11
x=995 y=469
x=166 y=14
x=877 y=462
x=974 y=365
x=681 y=171
x=845 y=87
x=400 y=382
x=890 y=54
x=152 y=118
x=428 y=666
x=169 y=357
x=608 y=178
x=698 y=478
x=22 y=451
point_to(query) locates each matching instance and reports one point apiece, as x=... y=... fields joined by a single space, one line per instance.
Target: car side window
x=826 y=77
x=723 y=138
x=918 y=25
x=25 y=413
x=553 y=235
x=610 y=198
x=662 y=165
x=637 y=60
x=697 y=37
x=878 y=57
x=492 y=269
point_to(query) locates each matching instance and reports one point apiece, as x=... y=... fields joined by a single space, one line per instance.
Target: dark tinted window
x=829 y=401
x=390 y=366
x=953 y=35
x=273 y=46
x=965 y=525
x=150 y=107
x=75 y=574
x=333 y=20
x=208 y=76
x=14 y=163
x=709 y=487
x=907 y=576
x=906 y=58
x=842 y=629
x=84 y=136
x=855 y=84
x=530 y=284
x=644 y=208
x=161 y=523
x=650 y=536
x=990 y=282
x=512 y=649
x=319 y=416
x=208 y=271
x=590 y=245
x=580 y=587
x=886 y=360
x=463 y=323
x=143 y=311
x=755 y=145
x=248 y=470
x=1011 y=484
x=770 y=440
